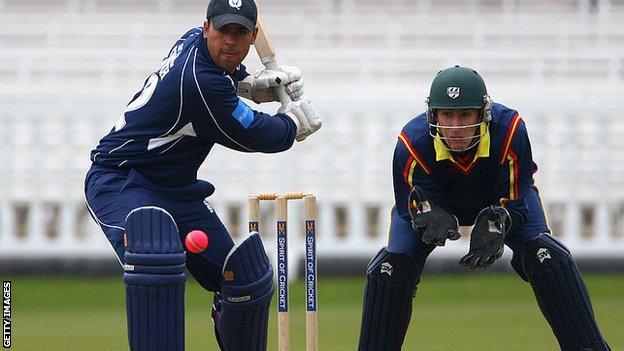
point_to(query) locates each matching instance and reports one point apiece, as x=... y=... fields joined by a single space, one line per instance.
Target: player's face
x=228 y=45
x=461 y=129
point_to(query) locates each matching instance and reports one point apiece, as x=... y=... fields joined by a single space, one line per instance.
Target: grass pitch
x=472 y=311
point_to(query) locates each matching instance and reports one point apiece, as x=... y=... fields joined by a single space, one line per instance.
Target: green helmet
x=458 y=88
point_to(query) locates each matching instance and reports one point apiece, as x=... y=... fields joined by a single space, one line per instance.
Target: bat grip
x=271 y=63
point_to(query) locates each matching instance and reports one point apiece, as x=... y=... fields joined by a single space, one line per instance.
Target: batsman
x=143 y=191
x=467 y=161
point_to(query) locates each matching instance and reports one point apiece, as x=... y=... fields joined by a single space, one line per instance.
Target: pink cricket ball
x=196 y=241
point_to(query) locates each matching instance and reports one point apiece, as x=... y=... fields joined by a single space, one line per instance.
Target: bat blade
x=263 y=45
x=267 y=54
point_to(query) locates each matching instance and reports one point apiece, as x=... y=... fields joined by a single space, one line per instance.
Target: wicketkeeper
x=143 y=191
x=467 y=161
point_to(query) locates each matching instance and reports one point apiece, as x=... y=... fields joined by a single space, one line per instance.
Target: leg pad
x=154 y=279
x=390 y=287
x=241 y=313
x=561 y=294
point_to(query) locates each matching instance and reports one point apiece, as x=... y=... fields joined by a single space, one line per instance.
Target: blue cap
x=222 y=12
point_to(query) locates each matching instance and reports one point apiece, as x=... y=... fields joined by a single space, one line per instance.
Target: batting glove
x=304 y=115
x=294 y=88
x=260 y=87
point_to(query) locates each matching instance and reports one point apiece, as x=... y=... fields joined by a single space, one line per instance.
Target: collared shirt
x=187 y=105
x=483 y=148
x=499 y=173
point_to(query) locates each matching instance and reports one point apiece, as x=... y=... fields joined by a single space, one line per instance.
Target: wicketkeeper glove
x=437 y=224
x=487 y=237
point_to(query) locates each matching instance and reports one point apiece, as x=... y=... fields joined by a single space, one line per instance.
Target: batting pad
x=247 y=289
x=390 y=286
x=154 y=278
x=561 y=294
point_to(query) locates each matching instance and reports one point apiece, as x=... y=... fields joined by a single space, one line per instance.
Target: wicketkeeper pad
x=561 y=294
x=390 y=287
x=247 y=289
x=154 y=278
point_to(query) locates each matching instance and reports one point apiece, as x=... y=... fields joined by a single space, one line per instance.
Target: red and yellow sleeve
x=415 y=158
x=509 y=159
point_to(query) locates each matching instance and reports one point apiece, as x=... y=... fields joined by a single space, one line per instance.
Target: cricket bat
x=267 y=54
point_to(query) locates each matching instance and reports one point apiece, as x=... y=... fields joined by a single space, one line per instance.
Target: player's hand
x=304 y=115
x=294 y=87
x=487 y=237
x=261 y=86
x=288 y=76
x=437 y=224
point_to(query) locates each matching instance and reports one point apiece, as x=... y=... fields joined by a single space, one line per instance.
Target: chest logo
x=236 y=4
x=452 y=92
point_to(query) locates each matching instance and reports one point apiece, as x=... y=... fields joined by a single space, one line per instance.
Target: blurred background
x=68 y=67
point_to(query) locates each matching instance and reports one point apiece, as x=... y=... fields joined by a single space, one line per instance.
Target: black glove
x=487 y=237
x=437 y=224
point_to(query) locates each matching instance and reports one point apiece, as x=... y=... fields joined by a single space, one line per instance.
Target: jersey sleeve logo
x=243 y=114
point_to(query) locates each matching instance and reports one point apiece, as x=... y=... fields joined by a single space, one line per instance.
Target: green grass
x=465 y=312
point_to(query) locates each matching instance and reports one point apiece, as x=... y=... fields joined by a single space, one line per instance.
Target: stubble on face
x=229 y=45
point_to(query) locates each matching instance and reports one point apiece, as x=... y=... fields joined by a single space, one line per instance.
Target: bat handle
x=270 y=63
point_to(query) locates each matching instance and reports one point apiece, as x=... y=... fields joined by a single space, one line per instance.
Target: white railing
x=347 y=165
x=68 y=67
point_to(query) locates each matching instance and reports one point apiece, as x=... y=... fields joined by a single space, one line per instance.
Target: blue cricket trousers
x=111 y=193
